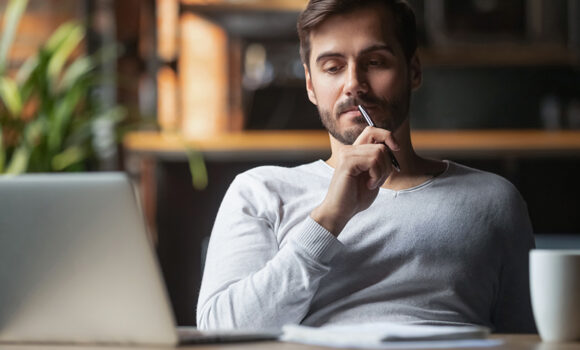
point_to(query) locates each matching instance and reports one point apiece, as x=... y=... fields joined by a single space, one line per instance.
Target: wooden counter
x=495 y=143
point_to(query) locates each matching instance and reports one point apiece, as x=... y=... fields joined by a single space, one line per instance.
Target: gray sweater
x=453 y=250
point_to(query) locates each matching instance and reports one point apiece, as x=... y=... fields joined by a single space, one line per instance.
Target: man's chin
x=347 y=137
x=344 y=130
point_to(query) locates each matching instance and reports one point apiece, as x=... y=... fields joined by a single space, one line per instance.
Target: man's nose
x=356 y=83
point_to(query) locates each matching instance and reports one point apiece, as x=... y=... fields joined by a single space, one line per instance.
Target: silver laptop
x=76 y=266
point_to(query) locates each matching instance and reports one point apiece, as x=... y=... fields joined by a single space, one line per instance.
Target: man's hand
x=360 y=170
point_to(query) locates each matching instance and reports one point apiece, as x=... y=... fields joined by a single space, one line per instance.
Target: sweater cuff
x=317 y=241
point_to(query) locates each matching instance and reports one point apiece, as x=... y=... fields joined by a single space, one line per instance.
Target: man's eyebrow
x=372 y=48
x=378 y=47
x=325 y=55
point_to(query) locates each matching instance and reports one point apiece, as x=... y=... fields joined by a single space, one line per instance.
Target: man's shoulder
x=277 y=183
x=489 y=194
x=481 y=181
x=273 y=174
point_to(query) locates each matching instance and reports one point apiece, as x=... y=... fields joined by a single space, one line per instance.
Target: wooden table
x=512 y=342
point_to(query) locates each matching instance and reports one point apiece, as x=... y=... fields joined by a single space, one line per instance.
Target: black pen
x=371 y=123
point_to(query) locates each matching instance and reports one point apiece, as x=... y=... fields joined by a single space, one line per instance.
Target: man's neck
x=415 y=170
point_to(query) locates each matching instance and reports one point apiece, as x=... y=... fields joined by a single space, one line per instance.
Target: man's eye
x=331 y=68
x=375 y=63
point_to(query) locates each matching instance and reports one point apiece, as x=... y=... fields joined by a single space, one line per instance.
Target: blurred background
x=167 y=89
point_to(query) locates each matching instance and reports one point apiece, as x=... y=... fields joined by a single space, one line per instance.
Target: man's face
x=356 y=58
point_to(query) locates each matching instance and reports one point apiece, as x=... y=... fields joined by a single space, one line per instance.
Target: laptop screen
x=76 y=265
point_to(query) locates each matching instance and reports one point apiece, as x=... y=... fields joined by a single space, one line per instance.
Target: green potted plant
x=48 y=114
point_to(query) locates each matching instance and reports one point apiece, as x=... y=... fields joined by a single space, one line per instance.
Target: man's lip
x=350 y=109
x=351 y=113
x=355 y=109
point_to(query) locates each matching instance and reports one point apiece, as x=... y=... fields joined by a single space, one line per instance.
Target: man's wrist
x=332 y=222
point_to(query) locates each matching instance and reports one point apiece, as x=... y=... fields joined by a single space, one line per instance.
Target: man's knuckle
x=380 y=151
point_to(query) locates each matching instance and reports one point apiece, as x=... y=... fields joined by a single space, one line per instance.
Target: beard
x=395 y=111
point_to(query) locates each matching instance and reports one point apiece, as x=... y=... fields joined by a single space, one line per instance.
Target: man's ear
x=309 y=88
x=416 y=72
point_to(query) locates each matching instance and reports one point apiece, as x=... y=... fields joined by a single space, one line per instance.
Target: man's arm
x=513 y=310
x=251 y=282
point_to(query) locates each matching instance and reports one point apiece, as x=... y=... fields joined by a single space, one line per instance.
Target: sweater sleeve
x=513 y=310
x=250 y=280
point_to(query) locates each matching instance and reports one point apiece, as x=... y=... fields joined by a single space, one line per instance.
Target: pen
x=371 y=123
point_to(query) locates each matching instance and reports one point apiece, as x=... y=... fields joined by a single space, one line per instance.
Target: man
x=350 y=239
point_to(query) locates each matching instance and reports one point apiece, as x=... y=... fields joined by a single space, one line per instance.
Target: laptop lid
x=76 y=265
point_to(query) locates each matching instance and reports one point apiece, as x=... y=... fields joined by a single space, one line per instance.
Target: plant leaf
x=68 y=157
x=19 y=161
x=61 y=119
x=2 y=150
x=14 y=11
x=34 y=136
x=115 y=114
x=58 y=37
x=197 y=168
x=30 y=77
x=61 y=53
x=75 y=72
x=26 y=69
x=34 y=131
x=10 y=94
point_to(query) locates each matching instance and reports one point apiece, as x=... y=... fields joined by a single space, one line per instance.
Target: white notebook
x=386 y=335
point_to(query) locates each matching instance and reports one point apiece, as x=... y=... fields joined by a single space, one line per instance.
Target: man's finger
x=376 y=135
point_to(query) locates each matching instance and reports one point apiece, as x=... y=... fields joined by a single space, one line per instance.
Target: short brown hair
x=317 y=11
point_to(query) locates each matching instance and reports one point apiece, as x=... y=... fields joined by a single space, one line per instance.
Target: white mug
x=555 y=292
